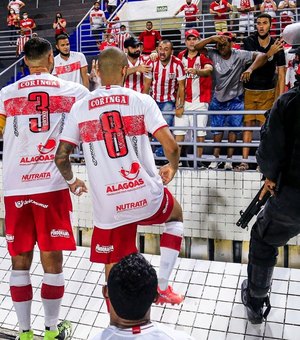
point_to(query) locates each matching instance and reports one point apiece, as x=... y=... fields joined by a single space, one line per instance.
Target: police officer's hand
x=246 y=75
x=268 y=186
x=167 y=172
x=78 y=188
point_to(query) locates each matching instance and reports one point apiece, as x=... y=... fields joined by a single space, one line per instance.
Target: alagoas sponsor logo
x=9 y=238
x=36 y=177
x=125 y=186
x=20 y=204
x=132 y=205
x=38 y=82
x=37 y=159
x=107 y=100
x=59 y=233
x=104 y=249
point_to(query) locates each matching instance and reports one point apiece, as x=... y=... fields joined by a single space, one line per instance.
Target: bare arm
x=180 y=98
x=84 y=76
x=62 y=161
x=171 y=151
x=206 y=71
x=210 y=40
x=259 y=60
x=142 y=68
x=281 y=80
x=147 y=85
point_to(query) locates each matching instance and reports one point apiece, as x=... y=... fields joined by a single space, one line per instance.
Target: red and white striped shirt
x=190 y=11
x=197 y=89
x=21 y=41
x=120 y=38
x=165 y=78
x=135 y=81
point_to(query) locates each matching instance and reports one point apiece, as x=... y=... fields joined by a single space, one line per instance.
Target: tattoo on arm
x=62 y=159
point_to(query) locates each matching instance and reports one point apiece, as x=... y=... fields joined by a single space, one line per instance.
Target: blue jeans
x=165 y=106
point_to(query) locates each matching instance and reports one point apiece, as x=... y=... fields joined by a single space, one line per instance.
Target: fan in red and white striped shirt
x=137 y=65
x=121 y=37
x=21 y=41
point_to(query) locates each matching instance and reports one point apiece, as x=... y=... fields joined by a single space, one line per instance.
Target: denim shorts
x=235 y=104
x=167 y=106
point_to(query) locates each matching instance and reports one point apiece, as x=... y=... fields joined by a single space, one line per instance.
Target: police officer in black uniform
x=278 y=157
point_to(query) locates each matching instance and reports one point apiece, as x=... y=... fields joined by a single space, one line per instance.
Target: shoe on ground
x=228 y=166
x=168 y=296
x=25 y=336
x=214 y=165
x=254 y=306
x=201 y=166
x=64 y=331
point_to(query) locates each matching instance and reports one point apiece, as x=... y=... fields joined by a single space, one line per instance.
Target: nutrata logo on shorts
x=59 y=233
x=36 y=177
x=104 y=249
x=132 y=173
x=9 y=238
x=132 y=205
x=20 y=204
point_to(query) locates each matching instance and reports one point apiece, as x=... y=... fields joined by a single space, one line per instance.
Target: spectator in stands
x=17 y=5
x=167 y=82
x=69 y=65
x=229 y=65
x=113 y=26
x=287 y=12
x=234 y=15
x=97 y=21
x=131 y=289
x=112 y=6
x=198 y=89
x=220 y=8
x=149 y=38
x=12 y=23
x=21 y=41
x=121 y=37
x=270 y=7
x=260 y=90
x=59 y=24
x=190 y=13
x=27 y=24
x=246 y=24
x=107 y=42
x=292 y=64
x=136 y=65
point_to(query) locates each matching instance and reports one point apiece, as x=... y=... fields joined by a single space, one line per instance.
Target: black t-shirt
x=264 y=78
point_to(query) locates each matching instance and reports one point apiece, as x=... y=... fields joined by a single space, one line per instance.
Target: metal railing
x=14 y=68
x=59 y=2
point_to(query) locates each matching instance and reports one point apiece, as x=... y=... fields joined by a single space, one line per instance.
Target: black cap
x=295 y=49
x=131 y=42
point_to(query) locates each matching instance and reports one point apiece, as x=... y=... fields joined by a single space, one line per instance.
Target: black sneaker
x=254 y=306
x=201 y=166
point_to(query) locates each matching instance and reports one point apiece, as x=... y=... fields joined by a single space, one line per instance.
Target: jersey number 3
x=40 y=124
x=113 y=134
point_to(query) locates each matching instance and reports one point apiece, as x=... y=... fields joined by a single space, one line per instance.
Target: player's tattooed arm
x=63 y=163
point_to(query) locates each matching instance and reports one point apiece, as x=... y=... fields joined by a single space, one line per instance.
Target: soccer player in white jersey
x=113 y=124
x=131 y=287
x=36 y=197
x=137 y=65
x=70 y=65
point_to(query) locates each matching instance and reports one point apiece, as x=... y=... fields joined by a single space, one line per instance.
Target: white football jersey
x=152 y=331
x=69 y=69
x=113 y=124
x=36 y=108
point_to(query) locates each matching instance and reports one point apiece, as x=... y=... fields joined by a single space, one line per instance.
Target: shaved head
x=111 y=62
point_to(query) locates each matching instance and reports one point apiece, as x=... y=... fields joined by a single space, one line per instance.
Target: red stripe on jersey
x=91 y=131
x=67 y=68
x=22 y=106
x=21 y=294
x=52 y=292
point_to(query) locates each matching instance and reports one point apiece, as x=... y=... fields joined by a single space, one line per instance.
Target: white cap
x=291 y=34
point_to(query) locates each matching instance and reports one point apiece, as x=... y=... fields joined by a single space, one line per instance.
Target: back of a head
x=111 y=61
x=132 y=287
x=37 y=48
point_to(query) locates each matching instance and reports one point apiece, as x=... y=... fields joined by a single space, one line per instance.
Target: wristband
x=72 y=180
x=180 y=106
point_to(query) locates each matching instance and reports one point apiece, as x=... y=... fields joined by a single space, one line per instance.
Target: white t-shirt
x=113 y=124
x=15 y=4
x=69 y=69
x=153 y=331
x=36 y=108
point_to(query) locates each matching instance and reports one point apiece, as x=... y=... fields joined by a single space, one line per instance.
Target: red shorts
x=111 y=245
x=43 y=218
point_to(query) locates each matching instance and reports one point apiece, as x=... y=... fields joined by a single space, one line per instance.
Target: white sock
x=169 y=250
x=21 y=294
x=52 y=294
